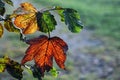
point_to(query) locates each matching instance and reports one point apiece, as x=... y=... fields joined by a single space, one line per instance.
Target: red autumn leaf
x=43 y=50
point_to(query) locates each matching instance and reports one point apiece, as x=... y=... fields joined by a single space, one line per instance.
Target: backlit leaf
x=1 y=30
x=54 y=72
x=60 y=11
x=28 y=7
x=36 y=72
x=30 y=20
x=3 y=62
x=8 y=2
x=9 y=25
x=27 y=20
x=46 y=21
x=14 y=69
x=2 y=67
x=43 y=50
x=72 y=19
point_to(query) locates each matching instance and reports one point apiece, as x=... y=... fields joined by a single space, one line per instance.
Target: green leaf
x=46 y=21
x=54 y=72
x=9 y=25
x=14 y=69
x=36 y=72
x=2 y=8
x=60 y=11
x=3 y=62
x=8 y=2
x=1 y=30
x=2 y=67
x=72 y=19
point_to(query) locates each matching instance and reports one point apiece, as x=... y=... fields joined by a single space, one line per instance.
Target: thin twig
x=53 y=9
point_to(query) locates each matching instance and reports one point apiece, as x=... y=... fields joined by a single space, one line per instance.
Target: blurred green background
x=94 y=53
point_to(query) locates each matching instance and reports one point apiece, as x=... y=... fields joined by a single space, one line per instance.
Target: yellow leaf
x=1 y=30
x=28 y=7
x=26 y=21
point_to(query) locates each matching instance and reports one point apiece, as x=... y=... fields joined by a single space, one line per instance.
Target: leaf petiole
x=52 y=9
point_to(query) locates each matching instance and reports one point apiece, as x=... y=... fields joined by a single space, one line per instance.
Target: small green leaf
x=8 y=2
x=1 y=30
x=36 y=72
x=72 y=19
x=54 y=72
x=9 y=25
x=3 y=62
x=14 y=69
x=2 y=67
x=46 y=21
